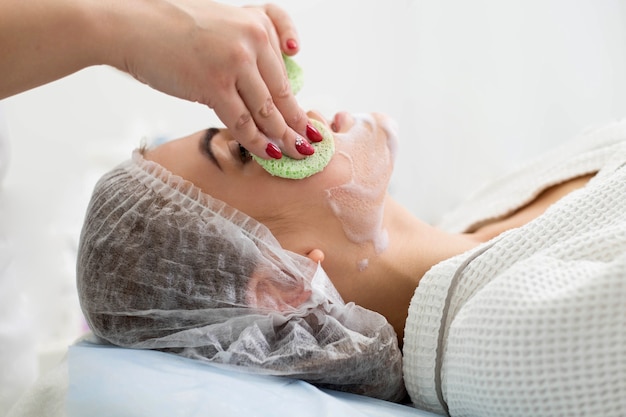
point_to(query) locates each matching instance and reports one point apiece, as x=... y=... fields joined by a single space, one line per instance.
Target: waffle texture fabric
x=533 y=322
x=163 y=266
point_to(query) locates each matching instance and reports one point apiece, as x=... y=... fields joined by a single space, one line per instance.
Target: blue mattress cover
x=111 y=381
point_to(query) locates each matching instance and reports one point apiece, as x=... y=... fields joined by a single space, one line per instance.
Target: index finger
x=262 y=91
x=276 y=79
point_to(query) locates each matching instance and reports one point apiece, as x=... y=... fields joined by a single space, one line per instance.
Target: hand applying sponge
x=296 y=169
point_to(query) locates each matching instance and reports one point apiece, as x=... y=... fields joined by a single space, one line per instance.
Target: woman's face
x=359 y=170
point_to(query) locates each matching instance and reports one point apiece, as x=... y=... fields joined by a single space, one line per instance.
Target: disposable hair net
x=161 y=265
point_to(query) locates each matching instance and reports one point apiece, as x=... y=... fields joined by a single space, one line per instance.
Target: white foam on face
x=359 y=203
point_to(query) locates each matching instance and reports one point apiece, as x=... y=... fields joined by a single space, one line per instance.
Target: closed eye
x=205 y=145
x=244 y=154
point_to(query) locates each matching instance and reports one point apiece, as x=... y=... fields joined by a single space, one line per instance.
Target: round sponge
x=298 y=169
x=294 y=74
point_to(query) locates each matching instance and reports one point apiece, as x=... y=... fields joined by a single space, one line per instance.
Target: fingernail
x=292 y=44
x=313 y=134
x=304 y=147
x=273 y=151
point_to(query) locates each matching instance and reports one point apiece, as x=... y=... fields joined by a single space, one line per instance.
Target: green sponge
x=298 y=169
x=294 y=73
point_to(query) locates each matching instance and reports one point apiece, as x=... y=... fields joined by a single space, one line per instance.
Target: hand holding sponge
x=296 y=169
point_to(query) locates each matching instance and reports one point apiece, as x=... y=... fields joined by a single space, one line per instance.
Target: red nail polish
x=292 y=44
x=313 y=134
x=273 y=151
x=304 y=147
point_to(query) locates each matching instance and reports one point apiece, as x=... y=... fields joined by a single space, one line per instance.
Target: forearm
x=44 y=40
x=225 y=57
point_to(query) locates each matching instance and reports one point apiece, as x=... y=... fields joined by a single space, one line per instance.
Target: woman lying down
x=516 y=306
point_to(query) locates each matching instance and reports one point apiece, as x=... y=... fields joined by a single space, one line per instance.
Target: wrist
x=104 y=32
x=124 y=30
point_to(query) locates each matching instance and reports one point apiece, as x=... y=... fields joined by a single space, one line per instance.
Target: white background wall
x=476 y=87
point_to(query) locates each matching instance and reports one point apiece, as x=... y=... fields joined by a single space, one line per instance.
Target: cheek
x=370 y=147
x=237 y=193
x=266 y=198
x=364 y=155
x=254 y=201
x=339 y=171
x=358 y=202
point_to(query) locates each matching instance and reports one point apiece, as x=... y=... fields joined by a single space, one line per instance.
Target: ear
x=265 y=291
x=316 y=255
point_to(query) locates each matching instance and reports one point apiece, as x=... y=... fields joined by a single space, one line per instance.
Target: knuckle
x=240 y=56
x=257 y=30
x=243 y=121
x=285 y=89
x=220 y=84
x=267 y=108
x=217 y=93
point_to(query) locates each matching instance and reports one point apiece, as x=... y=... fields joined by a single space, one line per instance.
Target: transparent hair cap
x=162 y=265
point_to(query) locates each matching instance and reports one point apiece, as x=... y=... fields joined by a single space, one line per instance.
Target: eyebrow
x=205 y=144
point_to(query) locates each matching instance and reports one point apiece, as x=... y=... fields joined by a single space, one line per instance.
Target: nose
x=315 y=115
x=342 y=122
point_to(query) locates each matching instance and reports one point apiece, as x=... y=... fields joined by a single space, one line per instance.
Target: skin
x=299 y=216
x=228 y=58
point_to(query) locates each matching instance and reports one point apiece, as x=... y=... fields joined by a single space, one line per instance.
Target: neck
x=387 y=283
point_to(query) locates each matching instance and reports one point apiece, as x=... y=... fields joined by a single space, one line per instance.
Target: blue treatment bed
x=111 y=381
